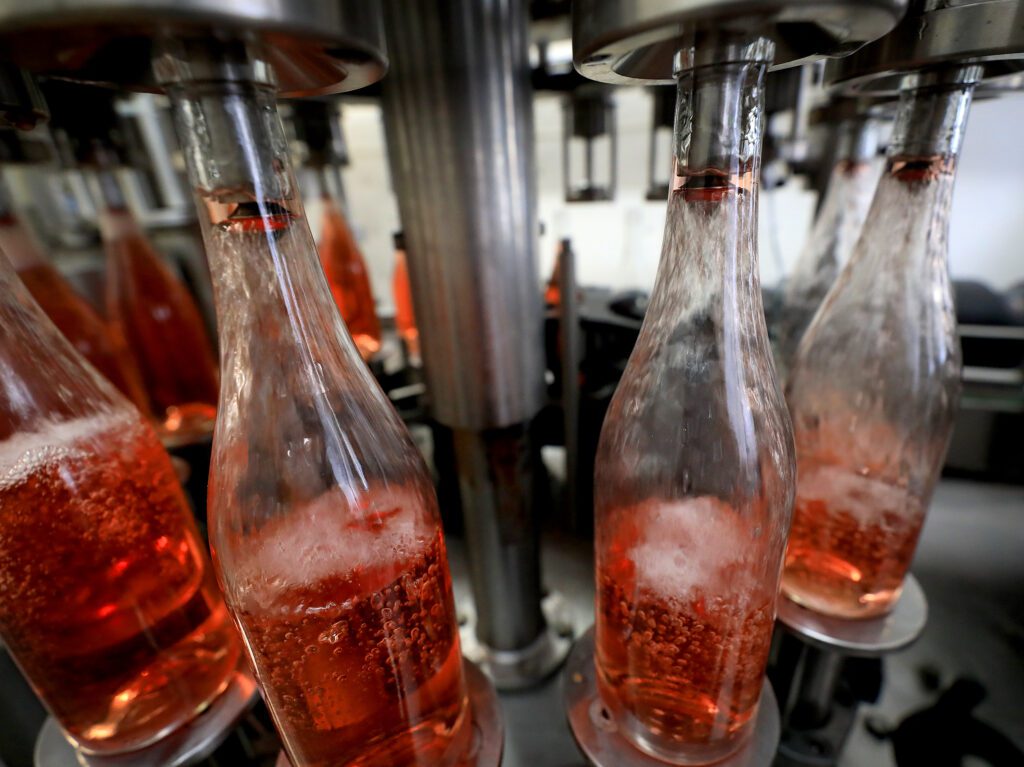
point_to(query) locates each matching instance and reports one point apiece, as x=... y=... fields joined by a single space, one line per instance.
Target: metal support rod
x=459 y=122
x=569 y=331
x=819 y=679
x=458 y=117
x=496 y=480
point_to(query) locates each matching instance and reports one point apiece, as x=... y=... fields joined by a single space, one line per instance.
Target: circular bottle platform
x=600 y=741
x=189 y=744
x=526 y=667
x=860 y=637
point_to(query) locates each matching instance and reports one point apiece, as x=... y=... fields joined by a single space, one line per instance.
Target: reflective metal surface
x=599 y=739
x=522 y=668
x=314 y=46
x=188 y=745
x=497 y=474
x=459 y=119
x=636 y=41
x=937 y=32
x=864 y=638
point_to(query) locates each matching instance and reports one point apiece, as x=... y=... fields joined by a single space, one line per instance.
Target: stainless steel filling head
x=314 y=46
x=637 y=42
x=938 y=33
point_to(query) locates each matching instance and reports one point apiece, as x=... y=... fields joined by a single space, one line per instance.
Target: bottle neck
x=115 y=220
x=16 y=241
x=719 y=125
x=45 y=380
x=930 y=123
x=269 y=287
x=102 y=180
x=856 y=142
x=332 y=186
x=709 y=256
x=18 y=244
x=905 y=236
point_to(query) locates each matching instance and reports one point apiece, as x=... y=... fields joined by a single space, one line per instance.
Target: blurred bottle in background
x=72 y=315
x=108 y=602
x=405 y=317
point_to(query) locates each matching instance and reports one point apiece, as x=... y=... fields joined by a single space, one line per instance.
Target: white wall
x=618 y=243
x=986 y=239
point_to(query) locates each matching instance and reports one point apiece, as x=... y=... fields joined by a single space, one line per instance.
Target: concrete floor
x=971 y=564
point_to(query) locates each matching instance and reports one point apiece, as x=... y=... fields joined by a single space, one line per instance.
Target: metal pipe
x=819 y=678
x=458 y=118
x=571 y=341
x=496 y=475
x=459 y=123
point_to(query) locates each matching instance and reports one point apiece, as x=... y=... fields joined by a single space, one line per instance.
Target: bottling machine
x=612 y=607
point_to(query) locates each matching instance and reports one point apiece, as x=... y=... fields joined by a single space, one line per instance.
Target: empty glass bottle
x=835 y=232
x=874 y=388
x=694 y=473
x=322 y=514
x=107 y=600
x=90 y=335
x=151 y=307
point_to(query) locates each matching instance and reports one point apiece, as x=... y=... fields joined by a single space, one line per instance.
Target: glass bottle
x=107 y=600
x=553 y=290
x=694 y=473
x=322 y=514
x=874 y=388
x=405 y=317
x=152 y=308
x=343 y=263
x=834 y=234
x=72 y=315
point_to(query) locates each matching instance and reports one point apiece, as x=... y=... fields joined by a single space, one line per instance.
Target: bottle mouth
x=715 y=50
x=212 y=60
x=944 y=78
x=713 y=184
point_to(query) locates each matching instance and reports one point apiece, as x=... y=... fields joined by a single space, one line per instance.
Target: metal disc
x=521 y=669
x=189 y=744
x=863 y=638
x=990 y=32
x=488 y=726
x=314 y=46
x=599 y=739
x=636 y=42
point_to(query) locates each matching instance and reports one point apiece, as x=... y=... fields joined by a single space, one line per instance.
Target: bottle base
x=839 y=603
x=673 y=752
x=167 y=695
x=100 y=749
x=654 y=740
